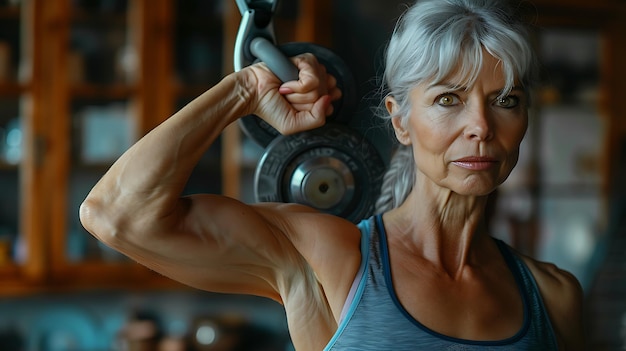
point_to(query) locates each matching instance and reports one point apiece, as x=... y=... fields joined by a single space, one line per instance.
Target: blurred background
x=81 y=80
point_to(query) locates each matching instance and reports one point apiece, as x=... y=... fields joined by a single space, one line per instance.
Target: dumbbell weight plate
x=263 y=133
x=332 y=169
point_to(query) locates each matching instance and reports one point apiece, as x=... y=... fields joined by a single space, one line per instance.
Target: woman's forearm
x=168 y=154
x=151 y=175
x=142 y=190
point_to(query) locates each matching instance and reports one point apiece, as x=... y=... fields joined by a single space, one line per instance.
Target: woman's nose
x=478 y=124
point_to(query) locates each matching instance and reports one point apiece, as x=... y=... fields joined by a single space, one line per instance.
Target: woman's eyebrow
x=447 y=86
x=455 y=87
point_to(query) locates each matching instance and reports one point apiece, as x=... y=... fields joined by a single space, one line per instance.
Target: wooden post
x=231 y=137
x=46 y=151
x=315 y=22
x=151 y=33
x=613 y=90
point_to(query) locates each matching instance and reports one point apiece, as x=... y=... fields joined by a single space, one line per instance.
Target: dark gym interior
x=81 y=80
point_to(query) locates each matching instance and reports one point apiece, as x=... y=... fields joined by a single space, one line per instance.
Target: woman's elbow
x=97 y=222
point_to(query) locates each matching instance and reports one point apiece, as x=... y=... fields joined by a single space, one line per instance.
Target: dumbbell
x=331 y=168
x=334 y=168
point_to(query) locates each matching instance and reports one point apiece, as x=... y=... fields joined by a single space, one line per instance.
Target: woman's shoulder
x=553 y=280
x=563 y=297
x=549 y=277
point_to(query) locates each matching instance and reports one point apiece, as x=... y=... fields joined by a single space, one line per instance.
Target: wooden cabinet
x=93 y=77
x=80 y=81
x=20 y=165
x=607 y=19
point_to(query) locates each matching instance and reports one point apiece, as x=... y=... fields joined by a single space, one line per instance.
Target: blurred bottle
x=12 y=148
x=141 y=333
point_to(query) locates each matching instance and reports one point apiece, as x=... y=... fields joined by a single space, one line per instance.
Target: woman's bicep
x=212 y=243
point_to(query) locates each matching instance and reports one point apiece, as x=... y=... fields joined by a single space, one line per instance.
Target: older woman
x=422 y=274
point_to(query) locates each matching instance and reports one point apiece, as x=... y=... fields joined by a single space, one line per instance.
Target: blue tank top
x=374 y=320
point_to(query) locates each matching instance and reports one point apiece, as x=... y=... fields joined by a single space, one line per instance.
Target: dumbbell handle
x=277 y=62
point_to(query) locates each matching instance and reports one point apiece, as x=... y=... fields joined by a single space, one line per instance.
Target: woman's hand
x=293 y=106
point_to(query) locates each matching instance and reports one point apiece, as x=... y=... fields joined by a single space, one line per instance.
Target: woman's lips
x=475 y=163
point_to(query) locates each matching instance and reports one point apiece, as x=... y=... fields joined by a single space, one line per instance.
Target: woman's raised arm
x=208 y=241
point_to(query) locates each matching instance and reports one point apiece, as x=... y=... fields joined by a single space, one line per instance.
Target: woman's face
x=466 y=140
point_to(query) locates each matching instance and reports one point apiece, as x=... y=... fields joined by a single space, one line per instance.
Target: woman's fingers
x=296 y=105
x=314 y=82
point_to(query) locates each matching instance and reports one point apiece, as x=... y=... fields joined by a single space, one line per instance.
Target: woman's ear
x=402 y=133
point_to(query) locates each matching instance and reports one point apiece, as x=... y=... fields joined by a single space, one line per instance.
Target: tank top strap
x=534 y=308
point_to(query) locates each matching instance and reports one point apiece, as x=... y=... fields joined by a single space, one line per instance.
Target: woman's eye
x=448 y=100
x=508 y=101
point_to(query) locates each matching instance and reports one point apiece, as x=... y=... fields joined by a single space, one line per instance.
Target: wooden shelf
x=9 y=271
x=13 y=89
x=112 y=91
x=10 y=13
x=4 y=166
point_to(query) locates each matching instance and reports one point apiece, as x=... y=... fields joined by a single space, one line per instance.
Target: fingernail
x=285 y=90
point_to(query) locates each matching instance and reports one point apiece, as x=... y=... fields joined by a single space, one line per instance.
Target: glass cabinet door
x=130 y=65
x=11 y=149
x=12 y=240
x=98 y=124
x=100 y=73
x=198 y=46
x=570 y=138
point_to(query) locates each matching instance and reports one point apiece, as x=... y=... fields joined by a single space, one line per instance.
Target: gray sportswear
x=374 y=319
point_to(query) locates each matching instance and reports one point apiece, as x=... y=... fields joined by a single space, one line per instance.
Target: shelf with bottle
x=102 y=129
x=10 y=130
x=101 y=60
x=12 y=89
x=11 y=153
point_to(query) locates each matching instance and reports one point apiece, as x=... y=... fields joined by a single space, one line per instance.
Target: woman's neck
x=441 y=226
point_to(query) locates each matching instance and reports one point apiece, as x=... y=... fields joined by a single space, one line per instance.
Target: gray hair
x=432 y=40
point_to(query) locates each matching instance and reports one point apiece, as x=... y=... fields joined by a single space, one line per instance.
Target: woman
x=424 y=274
